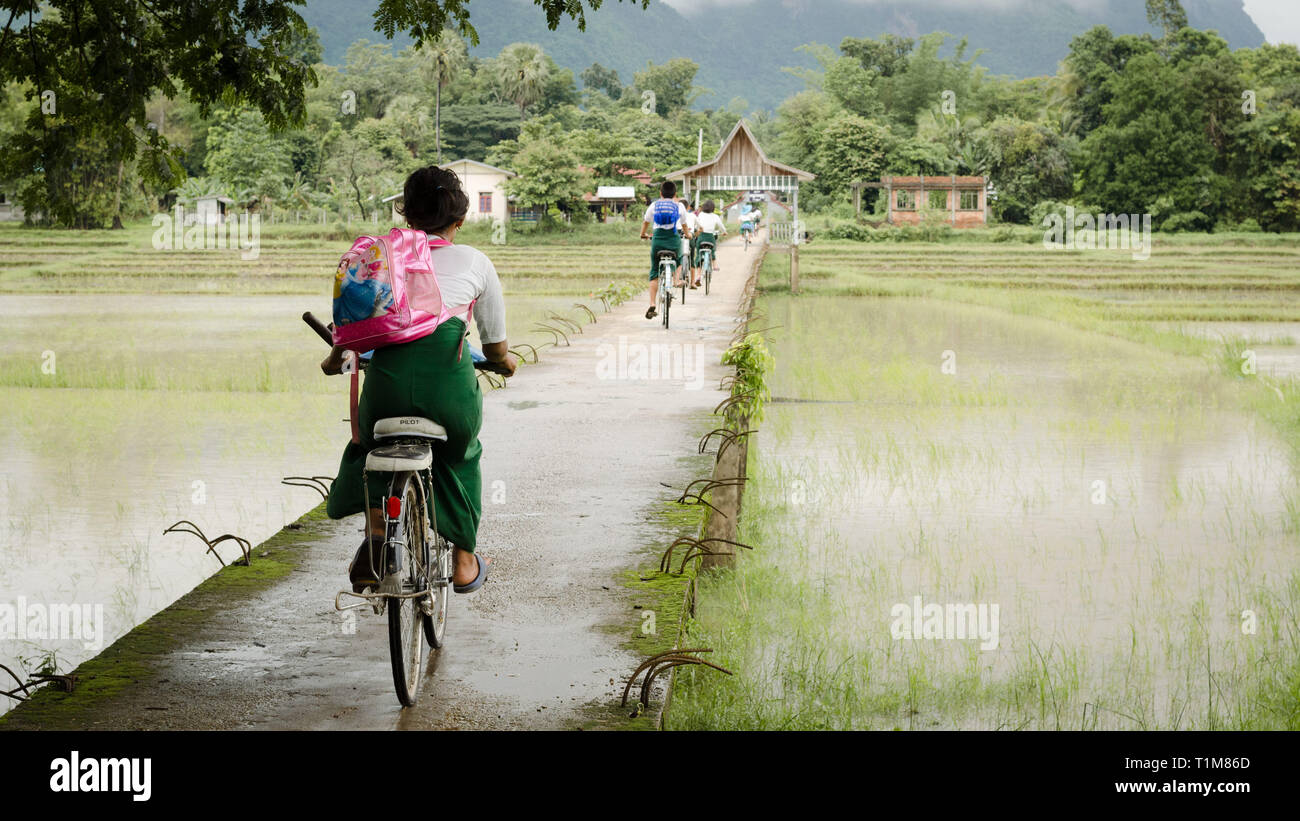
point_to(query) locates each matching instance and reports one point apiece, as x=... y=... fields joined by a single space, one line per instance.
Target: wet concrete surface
x=579 y=453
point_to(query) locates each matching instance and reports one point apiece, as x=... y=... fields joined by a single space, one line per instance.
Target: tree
x=1028 y=163
x=1267 y=157
x=671 y=83
x=1095 y=58
x=799 y=121
x=547 y=168
x=95 y=64
x=306 y=48
x=598 y=78
x=522 y=71
x=103 y=60
x=608 y=153
x=442 y=58
x=1168 y=15
x=471 y=130
x=850 y=85
x=885 y=56
x=244 y=155
x=371 y=77
x=1151 y=147
x=357 y=166
x=850 y=148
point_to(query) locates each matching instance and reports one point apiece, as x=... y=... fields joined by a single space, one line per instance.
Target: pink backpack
x=386 y=292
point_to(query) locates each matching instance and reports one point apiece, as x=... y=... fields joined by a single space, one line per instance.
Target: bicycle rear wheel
x=405 y=616
x=708 y=272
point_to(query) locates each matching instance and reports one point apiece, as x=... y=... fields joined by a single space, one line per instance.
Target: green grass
x=128 y=316
x=877 y=476
x=294 y=259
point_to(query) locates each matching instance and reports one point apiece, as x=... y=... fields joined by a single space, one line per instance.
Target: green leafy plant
x=752 y=361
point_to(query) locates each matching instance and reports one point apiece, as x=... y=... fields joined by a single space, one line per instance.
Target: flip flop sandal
x=651 y=313
x=478 y=580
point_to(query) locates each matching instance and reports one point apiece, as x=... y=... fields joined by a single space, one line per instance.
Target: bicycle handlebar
x=319 y=327
x=323 y=331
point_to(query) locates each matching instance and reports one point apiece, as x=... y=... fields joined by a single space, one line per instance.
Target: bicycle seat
x=399 y=458
x=409 y=427
x=665 y=254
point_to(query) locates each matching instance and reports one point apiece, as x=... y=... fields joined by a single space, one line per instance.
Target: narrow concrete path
x=580 y=451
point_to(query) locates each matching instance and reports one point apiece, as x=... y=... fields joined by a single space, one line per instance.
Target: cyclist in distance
x=747 y=221
x=432 y=378
x=709 y=229
x=667 y=217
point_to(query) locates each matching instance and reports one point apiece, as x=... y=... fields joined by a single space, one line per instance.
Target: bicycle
x=417 y=563
x=686 y=280
x=706 y=262
x=667 y=265
x=748 y=234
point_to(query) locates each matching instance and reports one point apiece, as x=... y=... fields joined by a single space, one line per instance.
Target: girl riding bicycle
x=711 y=229
x=430 y=378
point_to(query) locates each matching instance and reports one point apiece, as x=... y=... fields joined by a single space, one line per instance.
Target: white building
x=484 y=184
x=211 y=207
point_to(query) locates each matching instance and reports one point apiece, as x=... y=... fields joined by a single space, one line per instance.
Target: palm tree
x=444 y=57
x=522 y=71
x=412 y=121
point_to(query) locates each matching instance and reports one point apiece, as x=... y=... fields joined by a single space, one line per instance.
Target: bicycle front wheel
x=405 y=615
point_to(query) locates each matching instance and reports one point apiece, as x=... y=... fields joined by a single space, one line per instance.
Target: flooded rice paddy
x=1133 y=524
x=139 y=389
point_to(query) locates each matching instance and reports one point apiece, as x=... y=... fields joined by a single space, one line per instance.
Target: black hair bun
x=433 y=200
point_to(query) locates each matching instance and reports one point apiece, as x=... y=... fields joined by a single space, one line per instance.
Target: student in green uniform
x=709 y=229
x=430 y=378
x=667 y=217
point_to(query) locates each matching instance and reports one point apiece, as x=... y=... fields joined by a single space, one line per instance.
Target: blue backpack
x=666 y=214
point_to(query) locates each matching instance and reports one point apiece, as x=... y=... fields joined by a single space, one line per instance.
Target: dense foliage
x=1176 y=125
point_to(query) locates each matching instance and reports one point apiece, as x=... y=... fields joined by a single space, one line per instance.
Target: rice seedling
x=1126 y=501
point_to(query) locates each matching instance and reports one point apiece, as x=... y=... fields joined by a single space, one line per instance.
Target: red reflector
x=394 y=507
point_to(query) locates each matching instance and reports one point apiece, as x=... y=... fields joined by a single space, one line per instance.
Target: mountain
x=741 y=49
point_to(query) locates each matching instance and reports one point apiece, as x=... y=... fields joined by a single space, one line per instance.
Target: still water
x=122 y=414
x=1119 y=507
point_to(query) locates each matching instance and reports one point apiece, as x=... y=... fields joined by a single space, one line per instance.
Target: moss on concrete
x=134 y=657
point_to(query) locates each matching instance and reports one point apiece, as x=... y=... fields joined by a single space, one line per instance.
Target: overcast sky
x=1278 y=19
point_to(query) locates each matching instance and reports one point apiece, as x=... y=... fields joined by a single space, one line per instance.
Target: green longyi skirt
x=422 y=378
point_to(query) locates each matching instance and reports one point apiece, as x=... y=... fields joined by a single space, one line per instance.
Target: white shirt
x=691 y=220
x=711 y=223
x=464 y=274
